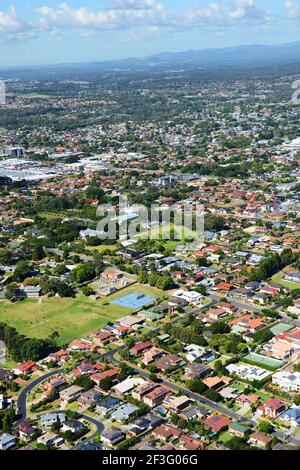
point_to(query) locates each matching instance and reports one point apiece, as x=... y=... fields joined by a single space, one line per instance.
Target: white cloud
x=134 y=17
x=292 y=9
x=14 y=28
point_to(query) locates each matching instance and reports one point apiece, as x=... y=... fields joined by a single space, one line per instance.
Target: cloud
x=247 y=9
x=226 y=13
x=136 y=17
x=292 y=9
x=14 y=28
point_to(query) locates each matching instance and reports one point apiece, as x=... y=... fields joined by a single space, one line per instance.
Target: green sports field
x=72 y=318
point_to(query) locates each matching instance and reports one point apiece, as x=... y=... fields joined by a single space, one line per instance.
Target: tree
x=212 y=395
x=125 y=371
x=297 y=400
x=12 y=292
x=153 y=377
x=265 y=426
x=84 y=381
x=196 y=386
x=220 y=327
x=83 y=273
x=38 y=253
x=106 y=383
x=22 y=270
x=87 y=291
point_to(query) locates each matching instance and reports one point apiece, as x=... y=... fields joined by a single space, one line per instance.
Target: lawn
x=72 y=318
x=102 y=248
x=278 y=279
x=225 y=437
x=163 y=232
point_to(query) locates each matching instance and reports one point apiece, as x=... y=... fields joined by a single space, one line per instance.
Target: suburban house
x=70 y=394
x=287 y=381
x=112 y=436
x=7 y=441
x=292 y=416
x=169 y=361
x=73 y=425
x=165 y=432
x=127 y=385
x=177 y=404
x=217 y=423
x=272 y=407
x=195 y=370
x=89 y=398
x=260 y=439
x=27 y=368
x=143 y=390
x=293 y=277
x=237 y=429
x=101 y=338
x=48 y=419
x=98 y=377
x=140 y=348
x=250 y=400
x=156 y=396
x=26 y=431
x=188 y=443
x=194 y=412
x=217 y=383
x=54 y=386
x=50 y=439
x=124 y=412
x=152 y=355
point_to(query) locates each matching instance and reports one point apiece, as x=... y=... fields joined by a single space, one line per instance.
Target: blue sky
x=44 y=31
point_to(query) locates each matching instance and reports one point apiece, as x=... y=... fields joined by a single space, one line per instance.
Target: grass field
x=103 y=248
x=72 y=318
x=162 y=234
x=278 y=279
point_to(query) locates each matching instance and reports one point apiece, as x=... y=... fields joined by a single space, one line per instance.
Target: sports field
x=262 y=361
x=71 y=318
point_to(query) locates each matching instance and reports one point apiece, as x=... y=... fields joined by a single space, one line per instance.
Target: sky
x=34 y=32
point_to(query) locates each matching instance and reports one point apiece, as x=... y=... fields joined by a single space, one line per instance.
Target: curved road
x=22 y=399
x=22 y=404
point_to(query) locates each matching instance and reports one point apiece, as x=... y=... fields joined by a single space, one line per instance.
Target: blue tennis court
x=133 y=301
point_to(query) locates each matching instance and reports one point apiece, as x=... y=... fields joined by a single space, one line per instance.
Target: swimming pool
x=133 y=301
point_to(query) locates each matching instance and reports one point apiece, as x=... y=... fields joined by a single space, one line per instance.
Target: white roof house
x=287 y=381
x=127 y=385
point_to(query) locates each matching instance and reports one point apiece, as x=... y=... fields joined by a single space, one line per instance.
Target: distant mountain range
x=194 y=59
x=241 y=55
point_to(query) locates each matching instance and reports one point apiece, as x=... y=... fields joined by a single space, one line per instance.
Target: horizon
x=77 y=31
x=141 y=57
